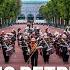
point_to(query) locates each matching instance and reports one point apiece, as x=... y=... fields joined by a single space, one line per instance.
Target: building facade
x=30 y=10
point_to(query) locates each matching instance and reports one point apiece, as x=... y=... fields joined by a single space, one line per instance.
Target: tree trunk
x=54 y=20
x=57 y=21
x=60 y=21
x=64 y=22
x=67 y=22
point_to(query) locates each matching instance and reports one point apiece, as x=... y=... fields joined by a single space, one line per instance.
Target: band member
x=14 y=32
x=4 y=48
x=18 y=31
x=37 y=32
x=2 y=38
x=29 y=25
x=56 y=46
x=34 y=57
x=13 y=39
x=28 y=29
x=24 y=47
x=46 y=30
x=33 y=35
x=2 y=33
x=45 y=53
x=65 y=53
x=18 y=34
x=56 y=42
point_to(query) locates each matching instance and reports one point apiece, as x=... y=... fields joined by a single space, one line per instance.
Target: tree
x=57 y=8
x=9 y=9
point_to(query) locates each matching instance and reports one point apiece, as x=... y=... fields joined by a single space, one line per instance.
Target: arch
x=20 y=17
x=39 y=17
x=30 y=17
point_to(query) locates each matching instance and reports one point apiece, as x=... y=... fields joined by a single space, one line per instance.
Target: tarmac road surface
x=17 y=60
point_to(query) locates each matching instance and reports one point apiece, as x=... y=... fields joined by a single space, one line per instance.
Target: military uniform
x=6 y=57
x=13 y=39
x=45 y=53
x=34 y=51
x=4 y=48
x=65 y=54
x=24 y=49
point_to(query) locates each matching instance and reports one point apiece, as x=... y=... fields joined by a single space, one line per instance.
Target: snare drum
x=9 y=51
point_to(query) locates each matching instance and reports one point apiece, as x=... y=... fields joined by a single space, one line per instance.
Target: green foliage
x=57 y=8
x=9 y=8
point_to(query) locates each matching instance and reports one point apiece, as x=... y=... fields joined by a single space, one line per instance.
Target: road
x=17 y=60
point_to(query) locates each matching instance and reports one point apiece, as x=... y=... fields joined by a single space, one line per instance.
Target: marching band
x=33 y=43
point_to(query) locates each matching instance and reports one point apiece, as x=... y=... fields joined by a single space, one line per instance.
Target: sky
x=33 y=0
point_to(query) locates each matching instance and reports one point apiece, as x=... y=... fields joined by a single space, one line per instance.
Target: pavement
x=17 y=59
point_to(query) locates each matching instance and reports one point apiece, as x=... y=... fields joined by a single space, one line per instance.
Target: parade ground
x=17 y=59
